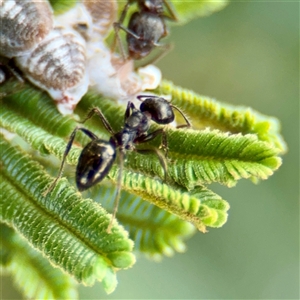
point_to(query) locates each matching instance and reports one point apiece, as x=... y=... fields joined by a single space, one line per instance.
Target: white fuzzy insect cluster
x=103 y=14
x=108 y=73
x=58 y=66
x=66 y=54
x=23 y=25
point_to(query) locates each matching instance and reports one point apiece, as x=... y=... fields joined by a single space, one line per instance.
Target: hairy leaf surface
x=158 y=213
x=32 y=272
x=69 y=230
x=207 y=112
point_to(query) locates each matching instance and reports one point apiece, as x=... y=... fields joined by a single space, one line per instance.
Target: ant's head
x=159 y=108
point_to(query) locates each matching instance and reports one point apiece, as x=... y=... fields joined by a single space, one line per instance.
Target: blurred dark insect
x=145 y=29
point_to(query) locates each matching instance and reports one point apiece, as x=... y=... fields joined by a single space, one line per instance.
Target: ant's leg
x=118 y=193
x=172 y=16
x=11 y=68
x=68 y=148
x=117 y=27
x=161 y=157
x=121 y=20
x=131 y=106
x=15 y=73
x=165 y=49
x=120 y=26
x=98 y=112
x=188 y=123
x=150 y=136
x=164 y=143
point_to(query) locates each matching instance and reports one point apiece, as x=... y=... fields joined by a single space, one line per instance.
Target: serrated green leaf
x=110 y=282
x=155 y=231
x=249 y=148
x=203 y=157
x=61 y=6
x=24 y=101
x=69 y=230
x=207 y=112
x=174 y=200
x=226 y=144
x=188 y=10
x=198 y=157
x=32 y=272
x=183 y=206
x=184 y=11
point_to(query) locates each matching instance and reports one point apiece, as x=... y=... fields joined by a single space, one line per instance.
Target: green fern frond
x=61 y=6
x=185 y=11
x=207 y=112
x=174 y=200
x=44 y=142
x=203 y=157
x=136 y=183
x=188 y=10
x=198 y=157
x=69 y=230
x=160 y=211
x=32 y=272
x=24 y=100
x=155 y=231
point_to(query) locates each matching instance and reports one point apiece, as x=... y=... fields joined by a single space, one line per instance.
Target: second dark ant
x=146 y=27
x=98 y=156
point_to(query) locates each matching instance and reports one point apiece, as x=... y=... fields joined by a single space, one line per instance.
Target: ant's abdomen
x=94 y=163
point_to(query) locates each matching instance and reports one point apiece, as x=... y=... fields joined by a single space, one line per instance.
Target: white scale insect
x=108 y=73
x=58 y=65
x=53 y=59
x=63 y=62
x=23 y=25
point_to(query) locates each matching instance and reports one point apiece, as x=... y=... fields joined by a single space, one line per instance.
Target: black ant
x=146 y=27
x=98 y=156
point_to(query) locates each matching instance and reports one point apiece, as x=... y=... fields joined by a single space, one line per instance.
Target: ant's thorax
x=135 y=125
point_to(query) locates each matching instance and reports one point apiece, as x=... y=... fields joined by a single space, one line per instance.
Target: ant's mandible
x=146 y=27
x=98 y=156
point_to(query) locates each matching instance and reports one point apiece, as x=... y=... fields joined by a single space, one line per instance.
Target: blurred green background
x=246 y=54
